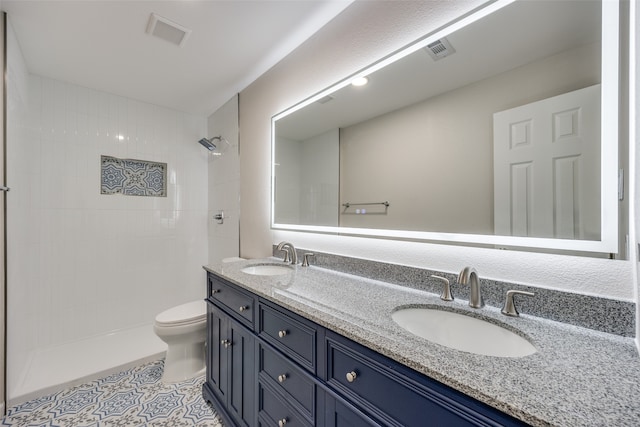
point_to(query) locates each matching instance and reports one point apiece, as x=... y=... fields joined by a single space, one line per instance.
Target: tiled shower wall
x=83 y=264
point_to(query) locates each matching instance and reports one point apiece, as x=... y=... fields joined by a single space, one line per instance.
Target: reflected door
x=547 y=167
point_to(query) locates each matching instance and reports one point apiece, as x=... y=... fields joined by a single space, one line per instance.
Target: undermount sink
x=267 y=270
x=462 y=332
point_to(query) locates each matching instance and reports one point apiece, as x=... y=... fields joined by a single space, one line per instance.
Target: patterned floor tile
x=131 y=398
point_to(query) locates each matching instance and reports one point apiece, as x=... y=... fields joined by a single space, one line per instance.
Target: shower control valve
x=219 y=217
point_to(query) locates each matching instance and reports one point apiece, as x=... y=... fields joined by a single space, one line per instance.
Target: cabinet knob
x=351 y=376
x=282 y=422
x=282 y=333
x=215 y=291
x=243 y=307
x=225 y=343
x=282 y=378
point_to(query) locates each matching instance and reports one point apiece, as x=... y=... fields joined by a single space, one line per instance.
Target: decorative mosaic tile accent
x=133 y=177
x=135 y=397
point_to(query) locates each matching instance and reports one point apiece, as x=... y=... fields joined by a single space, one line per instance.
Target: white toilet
x=184 y=329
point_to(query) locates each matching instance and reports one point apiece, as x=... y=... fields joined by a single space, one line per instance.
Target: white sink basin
x=267 y=270
x=462 y=332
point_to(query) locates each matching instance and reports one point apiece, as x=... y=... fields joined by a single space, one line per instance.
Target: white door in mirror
x=547 y=167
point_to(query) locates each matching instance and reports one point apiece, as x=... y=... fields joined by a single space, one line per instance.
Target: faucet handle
x=305 y=259
x=509 y=308
x=286 y=255
x=446 y=289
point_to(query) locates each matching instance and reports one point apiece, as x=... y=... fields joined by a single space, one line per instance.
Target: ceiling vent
x=440 y=49
x=325 y=99
x=167 y=30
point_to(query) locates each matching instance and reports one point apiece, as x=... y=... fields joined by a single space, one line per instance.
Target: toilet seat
x=185 y=314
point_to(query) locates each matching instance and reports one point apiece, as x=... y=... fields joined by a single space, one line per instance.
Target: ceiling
x=484 y=49
x=103 y=44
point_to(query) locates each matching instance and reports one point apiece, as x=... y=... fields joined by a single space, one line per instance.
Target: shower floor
x=58 y=367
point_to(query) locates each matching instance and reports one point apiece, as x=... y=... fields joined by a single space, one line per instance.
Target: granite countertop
x=578 y=377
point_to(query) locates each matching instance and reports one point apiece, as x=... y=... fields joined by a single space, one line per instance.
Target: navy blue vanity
x=267 y=366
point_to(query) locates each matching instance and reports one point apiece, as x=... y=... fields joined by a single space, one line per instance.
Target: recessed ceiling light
x=167 y=30
x=359 y=81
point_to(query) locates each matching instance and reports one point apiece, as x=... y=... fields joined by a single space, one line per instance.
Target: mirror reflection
x=494 y=129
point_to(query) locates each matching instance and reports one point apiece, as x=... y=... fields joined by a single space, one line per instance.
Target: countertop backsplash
x=587 y=311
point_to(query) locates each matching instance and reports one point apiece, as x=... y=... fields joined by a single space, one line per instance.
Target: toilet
x=184 y=329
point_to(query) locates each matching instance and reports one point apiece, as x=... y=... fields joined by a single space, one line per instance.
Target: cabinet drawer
x=289 y=379
x=383 y=388
x=294 y=338
x=339 y=413
x=240 y=304
x=274 y=411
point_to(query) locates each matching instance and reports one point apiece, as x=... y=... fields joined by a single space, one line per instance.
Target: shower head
x=218 y=147
x=208 y=143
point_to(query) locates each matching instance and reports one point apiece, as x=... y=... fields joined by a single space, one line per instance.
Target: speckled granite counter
x=578 y=377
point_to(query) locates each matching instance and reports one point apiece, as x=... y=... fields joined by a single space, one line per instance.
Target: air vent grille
x=325 y=99
x=440 y=49
x=167 y=30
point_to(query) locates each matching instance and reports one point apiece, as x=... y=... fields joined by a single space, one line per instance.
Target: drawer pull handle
x=243 y=307
x=282 y=422
x=351 y=376
x=225 y=343
x=282 y=333
x=282 y=378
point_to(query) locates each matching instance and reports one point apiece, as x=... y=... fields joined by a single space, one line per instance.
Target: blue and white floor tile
x=135 y=397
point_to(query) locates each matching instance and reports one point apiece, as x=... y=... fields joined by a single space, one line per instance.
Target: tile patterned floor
x=135 y=397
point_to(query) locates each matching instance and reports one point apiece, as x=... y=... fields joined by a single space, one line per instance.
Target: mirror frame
x=609 y=148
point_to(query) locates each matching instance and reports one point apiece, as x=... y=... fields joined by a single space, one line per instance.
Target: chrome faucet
x=290 y=252
x=469 y=276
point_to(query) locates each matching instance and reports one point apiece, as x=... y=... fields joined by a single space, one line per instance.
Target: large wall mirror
x=500 y=129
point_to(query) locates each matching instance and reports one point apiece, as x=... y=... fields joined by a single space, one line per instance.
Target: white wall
x=224 y=184
x=83 y=264
x=362 y=34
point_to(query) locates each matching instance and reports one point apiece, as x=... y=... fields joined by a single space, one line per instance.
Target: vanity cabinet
x=277 y=368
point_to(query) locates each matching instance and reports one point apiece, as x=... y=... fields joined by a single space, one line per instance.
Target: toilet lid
x=191 y=312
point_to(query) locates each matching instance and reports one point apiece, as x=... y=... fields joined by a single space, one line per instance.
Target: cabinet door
x=242 y=370
x=217 y=356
